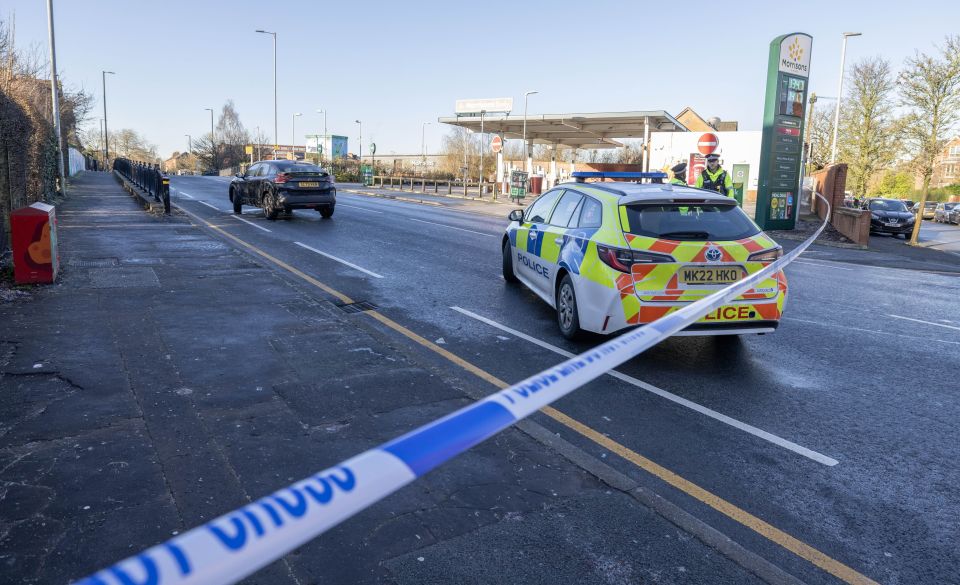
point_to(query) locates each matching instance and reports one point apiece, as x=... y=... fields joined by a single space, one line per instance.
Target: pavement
x=169 y=377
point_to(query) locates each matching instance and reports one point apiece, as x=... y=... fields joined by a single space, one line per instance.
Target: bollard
x=165 y=194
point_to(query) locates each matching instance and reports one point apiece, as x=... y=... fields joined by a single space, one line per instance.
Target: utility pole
x=106 y=130
x=293 y=137
x=526 y=149
x=56 y=99
x=423 y=146
x=360 y=131
x=323 y=147
x=483 y=144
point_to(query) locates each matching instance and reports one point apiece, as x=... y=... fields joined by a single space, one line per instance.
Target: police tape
x=238 y=543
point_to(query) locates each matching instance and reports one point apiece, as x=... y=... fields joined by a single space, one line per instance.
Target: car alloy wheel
x=268 y=207
x=568 y=318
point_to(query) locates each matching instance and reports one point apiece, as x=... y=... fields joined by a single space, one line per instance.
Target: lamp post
x=526 y=149
x=324 y=146
x=56 y=98
x=276 y=135
x=836 y=113
x=423 y=145
x=257 y=136
x=293 y=136
x=106 y=135
x=360 y=132
x=101 y=137
x=213 y=144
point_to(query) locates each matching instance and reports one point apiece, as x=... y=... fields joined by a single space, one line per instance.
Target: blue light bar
x=582 y=176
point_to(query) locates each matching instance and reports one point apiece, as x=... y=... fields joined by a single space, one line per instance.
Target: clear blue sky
x=394 y=65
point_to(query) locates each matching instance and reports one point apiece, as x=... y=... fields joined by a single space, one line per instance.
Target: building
x=695 y=123
x=179 y=161
x=946 y=171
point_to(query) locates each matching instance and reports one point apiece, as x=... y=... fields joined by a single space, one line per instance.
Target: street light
x=423 y=145
x=106 y=136
x=324 y=112
x=56 y=98
x=836 y=114
x=360 y=132
x=526 y=149
x=276 y=135
x=189 y=145
x=213 y=144
x=293 y=137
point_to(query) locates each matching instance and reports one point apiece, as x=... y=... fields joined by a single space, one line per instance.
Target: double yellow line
x=768 y=531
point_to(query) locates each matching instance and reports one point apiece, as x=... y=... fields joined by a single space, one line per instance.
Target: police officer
x=714 y=178
x=679 y=174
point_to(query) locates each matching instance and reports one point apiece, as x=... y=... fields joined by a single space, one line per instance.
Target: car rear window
x=301 y=168
x=675 y=221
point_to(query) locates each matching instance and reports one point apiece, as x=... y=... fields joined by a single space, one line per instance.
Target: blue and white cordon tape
x=238 y=543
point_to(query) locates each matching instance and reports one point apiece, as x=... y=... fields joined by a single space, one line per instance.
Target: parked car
x=608 y=256
x=929 y=209
x=909 y=203
x=281 y=186
x=890 y=216
x=954 y=215
x=942 y=212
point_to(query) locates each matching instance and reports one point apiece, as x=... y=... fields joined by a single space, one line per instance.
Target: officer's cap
x=713 y=156
x=679 y=168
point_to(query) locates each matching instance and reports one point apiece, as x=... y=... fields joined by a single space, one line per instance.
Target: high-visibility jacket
x=676 y=181
x=718 y=181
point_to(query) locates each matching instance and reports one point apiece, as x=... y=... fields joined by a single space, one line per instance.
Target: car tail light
x=766 y=255
x=621 y=259
x=281 y=178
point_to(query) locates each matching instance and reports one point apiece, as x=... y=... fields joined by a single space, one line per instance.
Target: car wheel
x=237 y=203
x=568 y=318
x=508 y=274
x=326 y=212
x=269 y=211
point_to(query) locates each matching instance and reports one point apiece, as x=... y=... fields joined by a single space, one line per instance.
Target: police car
x=613 y=255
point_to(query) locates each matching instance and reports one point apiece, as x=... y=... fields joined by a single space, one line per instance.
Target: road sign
x=496 y=145
x=708 y=143
x=373 y=148
x=490 y=106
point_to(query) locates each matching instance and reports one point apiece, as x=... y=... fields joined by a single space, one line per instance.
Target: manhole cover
x=358 y=307
x=122 y=277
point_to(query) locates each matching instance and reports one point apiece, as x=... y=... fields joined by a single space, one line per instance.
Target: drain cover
x=358 y=307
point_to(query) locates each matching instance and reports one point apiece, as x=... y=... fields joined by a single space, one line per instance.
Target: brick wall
x=830 y=182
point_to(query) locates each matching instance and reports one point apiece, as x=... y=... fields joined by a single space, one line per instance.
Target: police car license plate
x=710 y=274
x=309 y=184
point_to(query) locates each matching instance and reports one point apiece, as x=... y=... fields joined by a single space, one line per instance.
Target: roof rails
x=654 y=176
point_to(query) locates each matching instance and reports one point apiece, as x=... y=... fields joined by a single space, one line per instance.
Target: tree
x=892 y=184
x=127 y=143
x=231 y=137
x=820 y=136
x=930 y=91
x=868 y=131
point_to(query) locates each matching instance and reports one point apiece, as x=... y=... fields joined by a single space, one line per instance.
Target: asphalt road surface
x=832 y=441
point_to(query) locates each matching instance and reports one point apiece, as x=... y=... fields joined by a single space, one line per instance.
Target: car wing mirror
x=516 y=215
x=240 y=175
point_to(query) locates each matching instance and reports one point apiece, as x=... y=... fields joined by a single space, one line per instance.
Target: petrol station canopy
x=597 y=130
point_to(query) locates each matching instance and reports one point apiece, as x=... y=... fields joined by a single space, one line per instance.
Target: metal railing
x=449 y=186
x=148 y=177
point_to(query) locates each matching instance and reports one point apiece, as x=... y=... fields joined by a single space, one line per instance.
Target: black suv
x=890 y=216
x=282 y=186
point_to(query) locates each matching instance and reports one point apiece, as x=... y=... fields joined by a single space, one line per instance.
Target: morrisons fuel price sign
x=788 y=72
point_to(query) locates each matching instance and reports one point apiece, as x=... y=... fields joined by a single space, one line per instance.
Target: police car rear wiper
x=686 y=235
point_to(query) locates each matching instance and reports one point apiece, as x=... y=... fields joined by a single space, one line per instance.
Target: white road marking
x=247 y=221
x=925 y=322
x=187 y=195
x=824 y=265
x=451 y=227
x=848 y=328
x=357 y=207
x=340 y=260
x=208 y=205
x=759 y=433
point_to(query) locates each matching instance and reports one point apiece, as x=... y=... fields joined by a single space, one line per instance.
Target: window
x=892 y=205
x=252 y=171
x=565 y=208
x=591 y=213
x=955 y=151
x=540 y=210
x=690 y=222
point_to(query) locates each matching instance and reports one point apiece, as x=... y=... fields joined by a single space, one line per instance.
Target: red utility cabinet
x=34 y=234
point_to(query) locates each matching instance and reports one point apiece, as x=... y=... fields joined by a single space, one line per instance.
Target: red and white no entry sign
x=496 y=145
x=708 y=143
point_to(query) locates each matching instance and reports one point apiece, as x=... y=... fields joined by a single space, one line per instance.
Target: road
x=839 y=430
